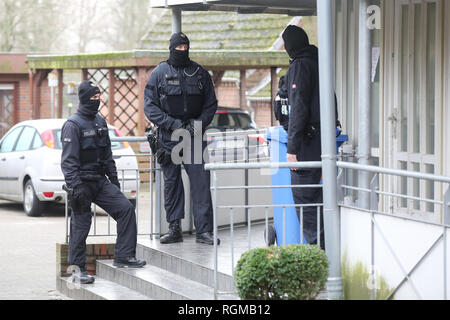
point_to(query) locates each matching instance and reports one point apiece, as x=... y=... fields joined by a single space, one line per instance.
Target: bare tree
x=130 y=21
x=29 y=25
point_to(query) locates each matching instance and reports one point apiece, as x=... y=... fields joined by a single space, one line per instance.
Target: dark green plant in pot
x=294 y=272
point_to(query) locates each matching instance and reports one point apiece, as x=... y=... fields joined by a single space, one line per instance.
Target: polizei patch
x=88 y=133
x=173 y=82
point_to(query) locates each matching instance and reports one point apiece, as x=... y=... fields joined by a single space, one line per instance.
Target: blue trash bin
x=278 y=139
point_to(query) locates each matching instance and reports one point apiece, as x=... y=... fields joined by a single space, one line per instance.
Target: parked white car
x=30 y=164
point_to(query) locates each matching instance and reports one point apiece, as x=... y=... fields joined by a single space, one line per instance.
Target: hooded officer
x=86 y=161
x=304 y=141
x=180 y=95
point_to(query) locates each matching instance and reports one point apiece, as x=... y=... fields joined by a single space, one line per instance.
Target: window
x=37 y=141
x=418 y=69
x=26 y=138
x=10 y=140
x=7 y=118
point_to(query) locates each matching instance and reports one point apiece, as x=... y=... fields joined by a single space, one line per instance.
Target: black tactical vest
x=93 y=143
x=181 y=91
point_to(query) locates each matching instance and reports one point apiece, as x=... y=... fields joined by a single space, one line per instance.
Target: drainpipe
x=176 y=20
x=328 y=132
x=364 y=80
x=251 y=109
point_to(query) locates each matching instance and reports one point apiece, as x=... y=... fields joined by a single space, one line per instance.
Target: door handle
x=3 y=159
x=22 y=158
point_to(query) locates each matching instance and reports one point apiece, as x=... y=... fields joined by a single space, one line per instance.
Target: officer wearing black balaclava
x=304 y=140
x=86 y=163
x=180 y=95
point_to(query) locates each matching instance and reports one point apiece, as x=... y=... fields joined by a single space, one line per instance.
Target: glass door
x=415 y=107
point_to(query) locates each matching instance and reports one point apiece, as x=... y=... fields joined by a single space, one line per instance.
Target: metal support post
x=364 y=80
x=374 y=187
x=328 y=132
x=158 y=195
x=176 y=20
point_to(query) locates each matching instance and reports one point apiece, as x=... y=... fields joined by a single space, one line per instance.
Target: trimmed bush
x=294 y=272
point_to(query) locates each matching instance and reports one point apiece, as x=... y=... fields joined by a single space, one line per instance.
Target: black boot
x=206 y=238
x=82 y=276
x=130 y=262
x=175 y=234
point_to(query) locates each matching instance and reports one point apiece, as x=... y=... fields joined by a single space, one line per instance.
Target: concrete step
x=101 y=289
x=158 y=283
x=185 y=259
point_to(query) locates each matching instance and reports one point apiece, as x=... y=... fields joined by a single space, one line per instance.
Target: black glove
x=80 y=198
x=176 y=124
x=152 y=137
x=163 y=157
x=115 y=181
x=191 y=127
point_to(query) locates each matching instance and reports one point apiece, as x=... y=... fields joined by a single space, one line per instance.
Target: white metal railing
x=374 y=193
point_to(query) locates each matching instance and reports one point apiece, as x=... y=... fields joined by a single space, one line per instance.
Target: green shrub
x=295 y=272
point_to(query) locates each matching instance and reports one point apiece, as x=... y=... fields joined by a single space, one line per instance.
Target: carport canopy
x=289 y=7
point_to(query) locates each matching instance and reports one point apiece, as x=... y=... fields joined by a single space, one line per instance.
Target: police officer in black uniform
x=180 y=95
x=304 y=139
x=281 y=104
x=86 y=161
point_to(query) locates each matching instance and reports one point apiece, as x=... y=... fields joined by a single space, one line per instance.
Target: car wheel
x=32 y=206
x=133 y=202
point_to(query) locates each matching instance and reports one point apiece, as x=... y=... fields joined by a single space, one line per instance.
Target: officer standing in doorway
x=304 y=139
x=180 y=95
x=86 y=161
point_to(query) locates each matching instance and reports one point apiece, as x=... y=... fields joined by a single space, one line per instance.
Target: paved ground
x=28 y=248
x=27 y=252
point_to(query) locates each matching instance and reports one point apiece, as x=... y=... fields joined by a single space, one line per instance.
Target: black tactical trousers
x=200 y=191
x=309 y=196
x=111 y=199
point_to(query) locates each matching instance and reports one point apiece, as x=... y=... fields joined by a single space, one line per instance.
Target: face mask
x=93 y=105
x=179 y=58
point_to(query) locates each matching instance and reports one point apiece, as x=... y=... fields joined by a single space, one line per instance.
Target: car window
x=25 y=139
x=244 y=120
x=223 y=120
x=37 y=141
x=57 y=134
x=10 y=140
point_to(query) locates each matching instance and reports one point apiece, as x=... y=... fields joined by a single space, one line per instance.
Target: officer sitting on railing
x=86 y=159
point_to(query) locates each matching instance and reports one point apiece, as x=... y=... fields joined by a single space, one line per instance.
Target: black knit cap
x=178 y=39
x=86 y=90
x=295 y=39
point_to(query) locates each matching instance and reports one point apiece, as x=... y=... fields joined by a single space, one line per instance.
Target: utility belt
x=92 y=175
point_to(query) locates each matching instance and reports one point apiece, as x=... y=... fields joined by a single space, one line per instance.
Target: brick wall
x=228 y=94
x=94 y=252
x=24 y=111
x=263 y=111
x=46 y=107
x=23 y=107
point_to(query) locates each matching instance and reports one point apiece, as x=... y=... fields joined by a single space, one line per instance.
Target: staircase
x=167 y=276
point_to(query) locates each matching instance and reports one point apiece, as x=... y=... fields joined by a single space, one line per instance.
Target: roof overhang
x=289 y=7
x=210 y=59
x=13 y=63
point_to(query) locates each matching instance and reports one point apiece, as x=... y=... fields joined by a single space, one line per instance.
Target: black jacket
x=302 y=81
x=180 y=94
x=86 y=148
